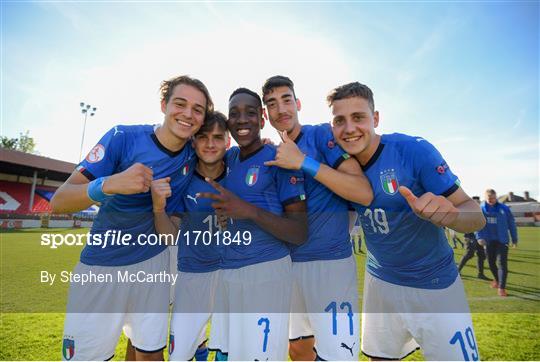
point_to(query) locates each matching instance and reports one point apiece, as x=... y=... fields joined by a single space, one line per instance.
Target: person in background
x=455 y=239
x=494 y=236
x=473 y=247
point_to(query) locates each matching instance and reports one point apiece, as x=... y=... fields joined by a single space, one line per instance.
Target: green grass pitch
x=506 y=328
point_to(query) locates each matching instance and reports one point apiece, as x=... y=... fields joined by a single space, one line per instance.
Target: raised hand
x=435 y=209
x=136 y=179
x=288 y=154
x=226 y=203
x=161 y=190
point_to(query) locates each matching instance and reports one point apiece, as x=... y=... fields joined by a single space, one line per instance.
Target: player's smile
x=352 y=142
x=351 y=139
x=241 y=132
x=184 y=123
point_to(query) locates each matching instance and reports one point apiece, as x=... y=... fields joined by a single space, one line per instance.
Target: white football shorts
x=397 y=320
x=97 y=312
x=252 y=303
x=193 y=306
x=325 y=305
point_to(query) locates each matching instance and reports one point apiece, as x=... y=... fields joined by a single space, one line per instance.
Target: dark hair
x=212 y=119
x=167 y=86
x=277 y=81
x=354 y=89
x=246 y=91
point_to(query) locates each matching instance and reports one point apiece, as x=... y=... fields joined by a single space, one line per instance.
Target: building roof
x=24 y=164
x=509 y=198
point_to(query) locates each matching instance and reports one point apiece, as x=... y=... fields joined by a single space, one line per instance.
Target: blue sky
x=463 y=75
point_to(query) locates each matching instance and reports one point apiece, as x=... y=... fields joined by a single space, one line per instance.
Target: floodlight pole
x=85 y=108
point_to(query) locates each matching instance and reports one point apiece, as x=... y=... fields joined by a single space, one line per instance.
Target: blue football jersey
x=404 y=249
x=199 y=250
x=117 y=150
x=268 y=187
x=327 y=213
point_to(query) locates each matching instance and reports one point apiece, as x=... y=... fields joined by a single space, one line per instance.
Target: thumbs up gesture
x=161 y=190
x=288 y=154
x=436 y=209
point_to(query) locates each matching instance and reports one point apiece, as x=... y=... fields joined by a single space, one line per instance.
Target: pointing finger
x=271 y=163
x=215 y=185
x=208 y=195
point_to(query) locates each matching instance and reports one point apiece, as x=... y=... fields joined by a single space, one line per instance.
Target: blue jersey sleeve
x=290 y=185
x=432 y=170
x=333 y=154
x=103 y=159
x=482 y=233
x=511 y=225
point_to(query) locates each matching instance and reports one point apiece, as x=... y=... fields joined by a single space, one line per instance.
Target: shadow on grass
x=513 y=260
x=520 y=273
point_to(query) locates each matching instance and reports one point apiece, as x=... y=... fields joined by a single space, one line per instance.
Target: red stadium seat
x=15 y=198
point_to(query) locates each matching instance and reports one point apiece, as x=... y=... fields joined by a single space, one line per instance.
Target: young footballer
x=117 y=173
x=324 y=322
x=413 y=295
x=199 y=255
x=268 y=211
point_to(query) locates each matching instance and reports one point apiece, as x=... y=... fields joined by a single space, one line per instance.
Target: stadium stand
x=15 y=198
x=27 y=183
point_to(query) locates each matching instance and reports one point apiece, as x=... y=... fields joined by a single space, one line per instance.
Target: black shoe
x=483 y=277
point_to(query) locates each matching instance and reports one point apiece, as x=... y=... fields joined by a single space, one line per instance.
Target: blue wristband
x=95 y=190
x=310 y=166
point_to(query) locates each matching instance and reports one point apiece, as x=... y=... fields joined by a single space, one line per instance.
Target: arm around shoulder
x=348 y=181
